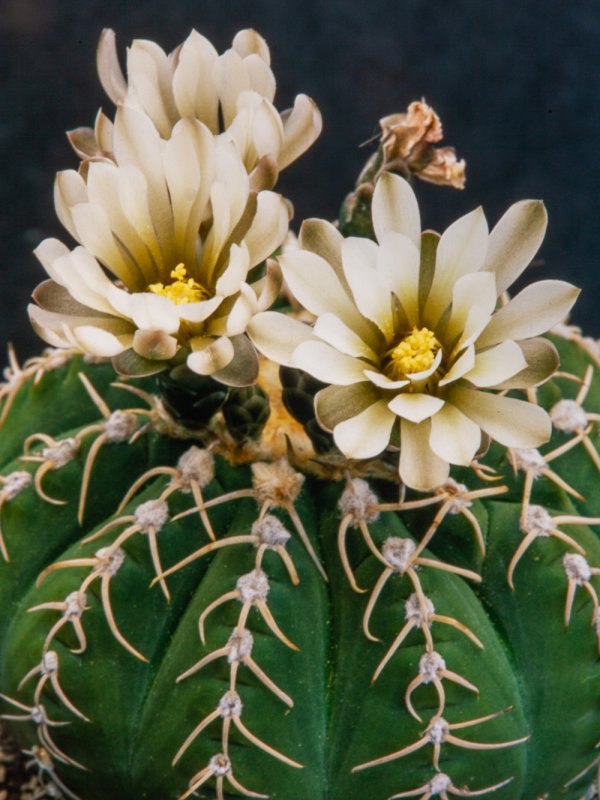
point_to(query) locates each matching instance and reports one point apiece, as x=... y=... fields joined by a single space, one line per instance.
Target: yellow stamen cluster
x=182 y=290
x=415 y=353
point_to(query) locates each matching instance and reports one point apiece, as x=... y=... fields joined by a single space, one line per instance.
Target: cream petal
x=133 y=198
x=267 y=288
x=327 y=364
x=542 y=360
x=243 y=368
x=230 y=171
x=367 y=434
x=235 y=273
x=414 y=406
x=110 y=73
x=395 y=209
x=372 y=298
x=513 y=423
x=269 y=227
x=69 y=191
x=420 y=467
x=194 y=92
x=276 y=335
x=241 y=312
x=333 y=331
x=315 y=285
x=199 y=312
x=454 y=437
x=150 y=78
x=218 y=234
x=49 y=251
x=382 y=381
x=95 y=234
x=99 y=342
x=336 y=404
x=137 y=143
x=321 y=237
x=533 y=311
x=184 y=178
x=497 y=364
x=210 y=355
x=80 y=273
x=463 y=364
x=103 y=130
x=262 y=80
x=267 y=130
x=477 y=289
x=515 y=240
x=398 y=267
x=103 y=192
x=301 y=127
x=231 y=78
x=248 y=42
x=425 y=373
x=154 y=312
x=461 y=250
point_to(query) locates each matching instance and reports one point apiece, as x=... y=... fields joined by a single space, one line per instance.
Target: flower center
x=182 y=290
x=415 y=353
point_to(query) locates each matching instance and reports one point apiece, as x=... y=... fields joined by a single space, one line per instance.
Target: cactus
x=207 y=594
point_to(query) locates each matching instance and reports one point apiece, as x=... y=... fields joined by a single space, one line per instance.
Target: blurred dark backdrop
x=517 y=86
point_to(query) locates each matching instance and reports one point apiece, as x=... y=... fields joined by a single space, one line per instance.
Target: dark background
x=517 y=85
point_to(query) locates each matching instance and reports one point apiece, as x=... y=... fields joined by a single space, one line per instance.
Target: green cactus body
x=246 y=624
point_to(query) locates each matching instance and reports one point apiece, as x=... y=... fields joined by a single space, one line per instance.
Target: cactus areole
x=345 y=548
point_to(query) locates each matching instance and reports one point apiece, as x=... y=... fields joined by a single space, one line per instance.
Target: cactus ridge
x=251 y=551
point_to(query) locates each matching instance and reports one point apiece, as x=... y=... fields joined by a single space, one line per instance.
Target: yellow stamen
x=415 y=353
x=182 y=290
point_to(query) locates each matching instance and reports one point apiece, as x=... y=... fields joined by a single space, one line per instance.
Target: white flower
x=410 y=335
x=231 y=93
x=176 y=225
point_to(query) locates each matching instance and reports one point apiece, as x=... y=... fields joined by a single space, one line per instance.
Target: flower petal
x=398 y=268
x=513 y=423
x=321 y=237
x=194 y=92
x=372 y=298
x=383 y=382
x=210 y=355
x=461 y=250
x=97 y=341
x=533 y=311
x=515 y=240
x=463 y=364
x=542 y=361
x=497 y=364
x=235 y=273
x=367 y=434
x=415 y=406
x=242 y=370
x=316 y=286
x=269 y=227
x=302 y=124
x=420 y=467
x=110 y=73
x=395 y=208
x=326 y=364
x=277 y=336
x=336 y=404
x=333 y=331
x=477 y=289
x=454 y=437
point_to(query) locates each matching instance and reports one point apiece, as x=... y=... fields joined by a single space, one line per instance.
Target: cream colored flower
x=231 y=93
x=411 y=336
x=177 y=227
